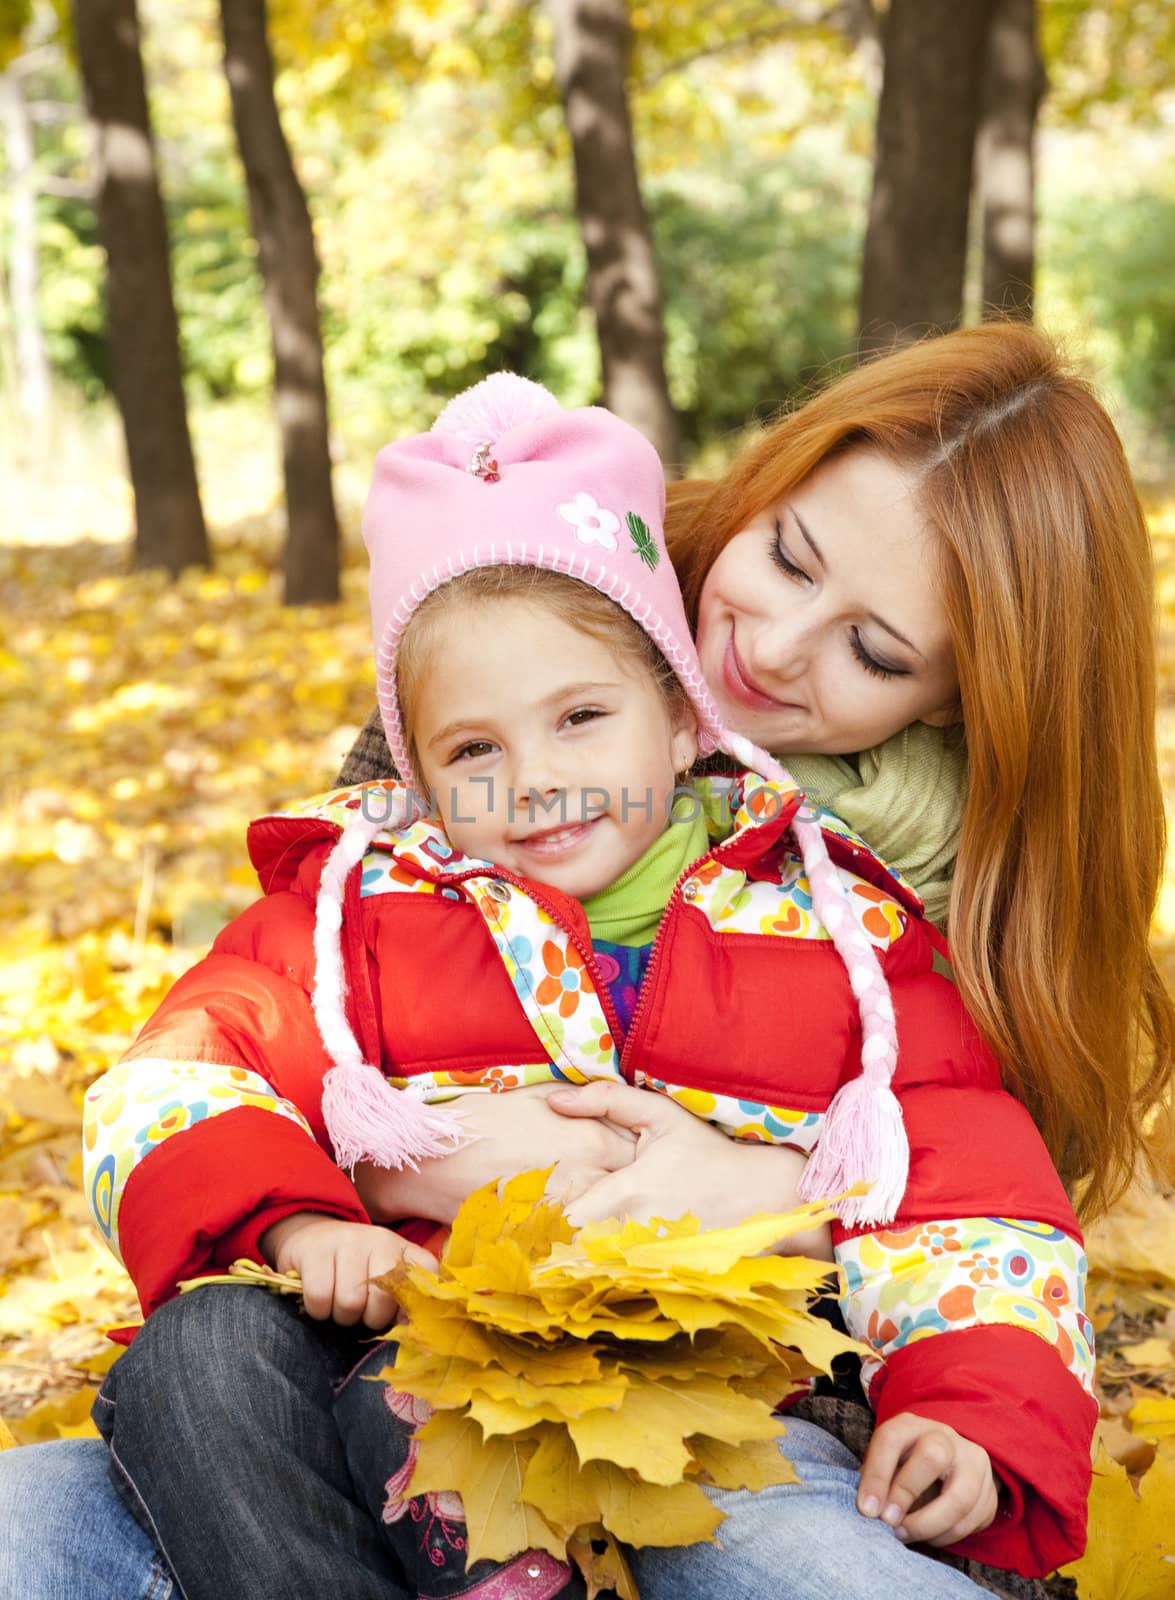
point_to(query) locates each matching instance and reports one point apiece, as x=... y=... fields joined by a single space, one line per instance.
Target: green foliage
x=759 y=269
x=15 y=16
x=1125 y=289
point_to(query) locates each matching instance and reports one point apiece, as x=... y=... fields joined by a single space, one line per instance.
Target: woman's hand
x=907 y=1457
x=513 y=1132
x=683 y=1164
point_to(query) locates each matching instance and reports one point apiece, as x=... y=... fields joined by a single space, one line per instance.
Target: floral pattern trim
x=907 y=1284
x=743 y=1119
x=551 y=979
x=134 y=1107
x=732 y=904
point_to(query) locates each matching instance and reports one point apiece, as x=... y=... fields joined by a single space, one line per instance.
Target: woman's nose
x=779 y=654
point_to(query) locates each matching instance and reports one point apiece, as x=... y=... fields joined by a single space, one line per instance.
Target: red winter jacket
x=458 y=973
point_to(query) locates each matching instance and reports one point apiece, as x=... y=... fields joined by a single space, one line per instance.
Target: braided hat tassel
x=367 y=1118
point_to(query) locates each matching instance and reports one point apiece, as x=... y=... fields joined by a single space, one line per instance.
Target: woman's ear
x=683 y=744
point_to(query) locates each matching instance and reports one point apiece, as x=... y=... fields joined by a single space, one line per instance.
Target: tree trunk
x=32 y=363
x=144 y=336
x=591 y=57
x=916 y=241
x=1014 y=85
x=289 y=274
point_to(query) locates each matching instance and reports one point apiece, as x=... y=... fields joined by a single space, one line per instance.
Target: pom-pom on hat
x=507 y=477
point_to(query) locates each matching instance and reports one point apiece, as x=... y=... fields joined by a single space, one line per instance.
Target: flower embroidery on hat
x=593 y=523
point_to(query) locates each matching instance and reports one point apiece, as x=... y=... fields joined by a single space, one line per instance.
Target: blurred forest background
x=242 y=246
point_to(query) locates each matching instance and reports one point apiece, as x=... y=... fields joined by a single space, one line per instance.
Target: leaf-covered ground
x=142 y=723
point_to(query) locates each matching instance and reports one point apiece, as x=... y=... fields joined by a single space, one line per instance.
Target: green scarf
x=904 y=797
x=629 y=911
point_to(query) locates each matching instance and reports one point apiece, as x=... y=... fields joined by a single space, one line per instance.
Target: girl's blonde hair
x=577 y=604
x=1048 y=584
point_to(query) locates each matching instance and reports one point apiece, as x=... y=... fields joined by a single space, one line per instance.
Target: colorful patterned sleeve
x=974 y=1301
x=210 y=1128
x=132 y=1109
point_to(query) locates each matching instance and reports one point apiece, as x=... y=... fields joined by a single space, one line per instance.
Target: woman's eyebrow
x=872 y=615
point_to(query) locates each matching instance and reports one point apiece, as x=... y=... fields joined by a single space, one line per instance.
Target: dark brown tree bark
x=289 y=274
x=916 y=241
x=591 y=59
x=1013 y=87
x=144 y=335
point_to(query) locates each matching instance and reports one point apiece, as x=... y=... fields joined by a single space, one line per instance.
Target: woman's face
x=821 y=627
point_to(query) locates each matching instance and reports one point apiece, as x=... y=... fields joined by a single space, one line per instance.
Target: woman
x=946 y=535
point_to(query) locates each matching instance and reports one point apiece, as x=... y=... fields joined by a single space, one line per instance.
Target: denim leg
x=67 y=1535
x=804 y=1541
x=427 y=1533
x=219 y=1421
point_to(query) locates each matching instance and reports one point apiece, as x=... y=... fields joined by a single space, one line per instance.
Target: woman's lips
x=560 y=841
x=742 y=687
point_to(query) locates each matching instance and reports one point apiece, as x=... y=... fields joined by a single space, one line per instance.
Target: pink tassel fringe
x=863 y=1140
x=370 y=1120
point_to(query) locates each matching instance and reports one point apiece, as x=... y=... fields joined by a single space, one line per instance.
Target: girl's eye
x=473 y=750
x=876 y=668
x=778 y=552
x=583 y=715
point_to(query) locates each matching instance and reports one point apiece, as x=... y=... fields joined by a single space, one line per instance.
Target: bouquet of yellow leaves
x=587 y=1384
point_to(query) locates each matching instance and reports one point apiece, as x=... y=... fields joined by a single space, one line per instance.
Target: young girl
x=548 y=923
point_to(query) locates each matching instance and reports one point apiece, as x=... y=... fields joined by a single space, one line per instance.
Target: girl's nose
x=537 y=786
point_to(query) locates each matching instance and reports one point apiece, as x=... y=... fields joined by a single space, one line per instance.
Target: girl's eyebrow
x=872 y=615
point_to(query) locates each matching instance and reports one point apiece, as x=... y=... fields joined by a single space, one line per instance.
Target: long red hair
x=1047 y=578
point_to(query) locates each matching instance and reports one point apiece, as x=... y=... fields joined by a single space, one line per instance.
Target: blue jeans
x=254 y=1453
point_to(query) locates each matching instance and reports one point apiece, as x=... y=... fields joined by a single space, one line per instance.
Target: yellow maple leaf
x=67 y=1418
x=1153 y=1416
x=8 y=1440
x=490 y=1472
x=1131 y=1549
x=650 y=1513
x=648 y=1431
x=755 y=1464
x=554 y=1484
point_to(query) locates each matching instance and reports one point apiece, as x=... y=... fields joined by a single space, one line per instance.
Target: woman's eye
x=876 y=668
x=782 y=559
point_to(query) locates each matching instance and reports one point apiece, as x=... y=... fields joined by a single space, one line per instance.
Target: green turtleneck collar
x=629 y=911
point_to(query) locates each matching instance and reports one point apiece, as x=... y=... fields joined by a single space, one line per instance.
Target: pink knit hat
x=507 y=477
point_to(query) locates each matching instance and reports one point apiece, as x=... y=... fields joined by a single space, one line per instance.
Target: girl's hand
x=906 y=1458
x=514 y=1131
x=683 y=1164
x=336 y=1261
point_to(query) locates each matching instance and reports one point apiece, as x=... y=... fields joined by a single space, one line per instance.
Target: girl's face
x=548 y=754
x=820 y=626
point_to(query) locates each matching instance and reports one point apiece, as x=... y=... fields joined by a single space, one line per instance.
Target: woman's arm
x=514 y=1131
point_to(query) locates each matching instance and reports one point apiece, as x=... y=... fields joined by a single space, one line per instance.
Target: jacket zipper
x=628 y=1072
